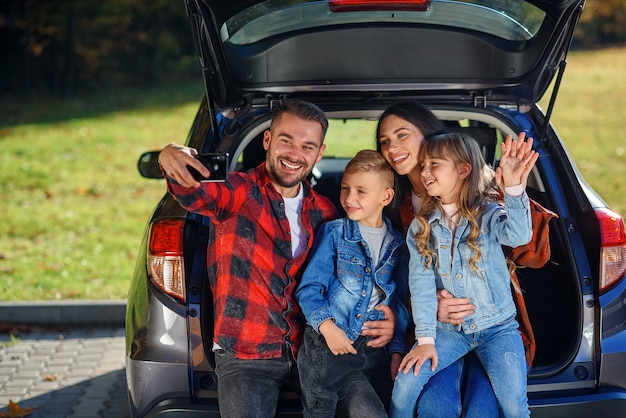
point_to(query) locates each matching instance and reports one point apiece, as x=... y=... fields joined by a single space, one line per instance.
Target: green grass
x=73 y=203
x=74 y=206
x=589 y=113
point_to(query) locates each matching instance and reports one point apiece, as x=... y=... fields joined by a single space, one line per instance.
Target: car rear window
x=509 y=20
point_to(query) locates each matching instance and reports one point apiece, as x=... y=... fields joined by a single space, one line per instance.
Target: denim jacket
x=339 y=278
x=489 y=290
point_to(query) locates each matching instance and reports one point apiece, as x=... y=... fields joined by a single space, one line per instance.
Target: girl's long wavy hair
x=476 y=191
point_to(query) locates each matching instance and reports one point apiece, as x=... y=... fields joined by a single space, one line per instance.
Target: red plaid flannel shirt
x=250 y=267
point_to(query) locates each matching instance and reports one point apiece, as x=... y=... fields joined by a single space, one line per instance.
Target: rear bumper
x=605 y=403
x=152 y=382
x=183 y=408
x=289 y=407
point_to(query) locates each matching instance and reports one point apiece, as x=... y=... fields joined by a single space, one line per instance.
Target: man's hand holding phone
x=176 y=160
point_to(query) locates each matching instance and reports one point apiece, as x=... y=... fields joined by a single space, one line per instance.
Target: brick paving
x=77 y=373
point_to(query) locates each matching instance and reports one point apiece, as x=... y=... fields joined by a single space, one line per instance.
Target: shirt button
x=364 y=293
x=358 y=316
x=473 y=326
x=459 y=275
x=367 y=269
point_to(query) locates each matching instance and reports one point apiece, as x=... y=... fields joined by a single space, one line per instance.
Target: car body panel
x=613 y=338
x=144 y=394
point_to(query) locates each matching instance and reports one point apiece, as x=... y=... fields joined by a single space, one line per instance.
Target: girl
x=455 y=244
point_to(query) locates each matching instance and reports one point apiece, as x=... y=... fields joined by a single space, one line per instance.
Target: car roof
x=453 y=50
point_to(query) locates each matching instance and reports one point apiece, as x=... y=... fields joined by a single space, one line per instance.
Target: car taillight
x=165 y=257
x=613 y=251
x=378 y=5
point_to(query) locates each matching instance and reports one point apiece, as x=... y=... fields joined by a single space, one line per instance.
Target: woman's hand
x=453 y=310
x=174 y=160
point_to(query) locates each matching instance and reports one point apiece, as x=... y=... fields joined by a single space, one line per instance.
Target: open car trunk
x=552 y=292
x=552 y=296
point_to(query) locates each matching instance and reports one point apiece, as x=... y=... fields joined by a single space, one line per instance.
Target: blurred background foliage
x=65 y=48
x=602 y=23
x=68 y=47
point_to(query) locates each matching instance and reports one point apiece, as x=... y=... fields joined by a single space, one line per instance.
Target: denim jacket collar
x=352 y=233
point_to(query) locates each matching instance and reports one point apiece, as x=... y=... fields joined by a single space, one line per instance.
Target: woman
x=463 y=386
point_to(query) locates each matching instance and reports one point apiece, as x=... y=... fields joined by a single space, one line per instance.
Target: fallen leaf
x=15 y=411
x=50 y=377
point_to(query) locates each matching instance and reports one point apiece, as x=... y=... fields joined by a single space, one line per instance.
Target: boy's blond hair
x=366 y=161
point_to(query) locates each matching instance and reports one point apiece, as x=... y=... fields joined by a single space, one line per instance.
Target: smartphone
x=217 y=163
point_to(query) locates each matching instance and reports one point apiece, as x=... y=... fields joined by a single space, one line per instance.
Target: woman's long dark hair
x=423 y=119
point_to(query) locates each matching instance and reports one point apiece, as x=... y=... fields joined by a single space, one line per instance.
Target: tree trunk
x=69 y=89
x=27 y=71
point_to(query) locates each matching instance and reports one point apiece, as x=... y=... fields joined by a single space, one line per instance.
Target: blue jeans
x=460 y=390
x=323 y=375
x=501 y=353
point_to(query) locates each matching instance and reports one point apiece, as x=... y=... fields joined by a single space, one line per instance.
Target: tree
x=64 y=46
x=602 y=22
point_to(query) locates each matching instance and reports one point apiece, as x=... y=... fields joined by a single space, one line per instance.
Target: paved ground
x=62 y=366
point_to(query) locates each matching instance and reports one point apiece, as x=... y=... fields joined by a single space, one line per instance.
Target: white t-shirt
x=293 y=209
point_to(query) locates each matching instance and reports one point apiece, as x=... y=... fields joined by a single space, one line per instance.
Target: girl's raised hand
x=517 y=161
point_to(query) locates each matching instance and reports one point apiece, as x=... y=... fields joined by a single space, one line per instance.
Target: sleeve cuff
x=425 y=340
x=516 y=190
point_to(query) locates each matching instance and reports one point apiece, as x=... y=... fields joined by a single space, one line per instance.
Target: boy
x=357 y=263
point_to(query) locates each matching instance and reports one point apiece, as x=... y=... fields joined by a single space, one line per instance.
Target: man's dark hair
x=301 y=109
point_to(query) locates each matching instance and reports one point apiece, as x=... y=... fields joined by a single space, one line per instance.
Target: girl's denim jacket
x=339 y=278
x=489 y=289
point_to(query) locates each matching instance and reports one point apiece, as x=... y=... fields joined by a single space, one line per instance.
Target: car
x=481 y=66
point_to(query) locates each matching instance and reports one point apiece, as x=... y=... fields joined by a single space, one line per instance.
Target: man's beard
x=280 y=179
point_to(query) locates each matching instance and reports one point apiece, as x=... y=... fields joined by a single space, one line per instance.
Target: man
x=264 y=223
